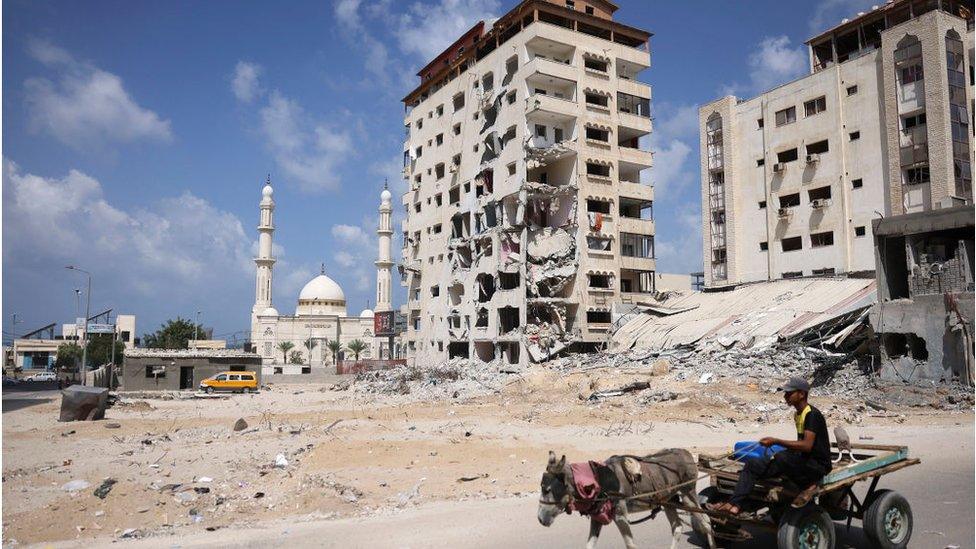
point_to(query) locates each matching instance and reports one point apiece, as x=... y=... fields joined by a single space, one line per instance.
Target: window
x=457 y=129
x=570 y=4
x=155 y=371
x=419 y=151
x=819 y=147
x=437 y=228
x=857 y=183
x=819 y=240
x=597 y=169
x=488 y=82
x=459 y=101
x=911 y=73
x=435 y=291
x=597 y=100
x=786 y=156
x=786 y=116
x=439 y=139
x=600 y=281
x=438 y=199
x=420 y=123
x=854 y=136
x=540 y=131
x=456 y=159
x=815 y=106
x=510 y=97
x=597 y=134
x=595 y=65
x=789 y=200
x=851 y=90
x=763 y=246
x=820 y=193
x=598 y=317
x=760 y=162
x=589 y=10
x=793 y=274
x=792 y=244
x=440 y=110
x=911 y=121
x=917 y=175
x=762 y=204
x=826 y=271
x=599 y=206
x=511 y=65
x=859 y=231
x=759 y=124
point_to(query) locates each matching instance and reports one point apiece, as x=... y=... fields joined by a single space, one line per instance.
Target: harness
x=594 y=483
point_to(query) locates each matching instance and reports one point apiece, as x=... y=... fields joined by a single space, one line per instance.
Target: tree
x=295 y=357
x=69 y=357
x=356 y=346
x=284 y=347
x=100 y=349
x=336 y=347
x=310 y=344
x=173 y=334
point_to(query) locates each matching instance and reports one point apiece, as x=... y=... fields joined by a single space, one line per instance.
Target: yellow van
x=244 y=382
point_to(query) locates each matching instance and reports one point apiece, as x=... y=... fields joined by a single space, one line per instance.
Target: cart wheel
x=806 y=528
x=888 y=520
x=712 y=495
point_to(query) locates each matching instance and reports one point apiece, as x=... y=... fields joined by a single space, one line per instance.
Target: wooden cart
x=885 y=515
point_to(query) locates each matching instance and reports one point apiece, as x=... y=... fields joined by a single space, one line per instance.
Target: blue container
x=750 y=448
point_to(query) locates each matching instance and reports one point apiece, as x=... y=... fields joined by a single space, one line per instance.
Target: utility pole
x=196 y=327
x=84 y=348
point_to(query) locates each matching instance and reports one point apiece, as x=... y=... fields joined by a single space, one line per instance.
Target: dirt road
x=378 y=470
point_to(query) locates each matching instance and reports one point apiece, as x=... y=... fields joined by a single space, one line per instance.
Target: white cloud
x=679 y=245
x=345 y=259
x=776 y=62
x=350 y=234
x=246 y=83
x=308 y=152
x=182 y=245
x=427 y=29
x=671 y=170
x=87 y=107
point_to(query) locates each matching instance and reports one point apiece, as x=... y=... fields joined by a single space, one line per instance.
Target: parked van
x=244 y=382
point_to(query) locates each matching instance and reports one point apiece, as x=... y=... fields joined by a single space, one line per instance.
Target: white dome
x=366 y=313
x=267 y=191
x=322 y=288
x=270 y=311
x=385 y=196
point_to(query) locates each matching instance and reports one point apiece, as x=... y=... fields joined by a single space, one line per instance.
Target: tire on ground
x=888 y=520
x=810 y=526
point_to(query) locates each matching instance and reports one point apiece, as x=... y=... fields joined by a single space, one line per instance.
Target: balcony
x=634 y=88
x=636 y=157
x=635 y=225
x=552 y=109
x=641 y=124
x=541 y=67
x=633 y=189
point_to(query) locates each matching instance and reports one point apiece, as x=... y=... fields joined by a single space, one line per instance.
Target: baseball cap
x=795 y=384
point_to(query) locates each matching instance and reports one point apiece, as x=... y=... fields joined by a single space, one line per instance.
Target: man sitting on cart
x=805 y=461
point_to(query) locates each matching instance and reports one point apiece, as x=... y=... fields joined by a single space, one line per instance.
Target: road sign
x=101 y=328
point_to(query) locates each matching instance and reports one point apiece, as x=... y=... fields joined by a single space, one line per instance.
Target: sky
x=137 y=137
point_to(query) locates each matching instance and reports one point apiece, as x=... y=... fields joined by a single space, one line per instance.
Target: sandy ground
x=359 y=465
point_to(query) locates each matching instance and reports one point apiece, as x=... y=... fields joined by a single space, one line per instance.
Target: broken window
x=457 y=129
x=540 y=131
x=786 y=156
x=896 y=345
x=598 y=317
x=457 y=349
x=440 y=110
x=598 y=243
x=759 y=124
x=439 y=170
x=760 y=162
x=851 y=90
x=789 y=200
x=511 y=168
x=857 y=183
x=437 y=228
x=597 y=100
x=911 y=73
x=600 y=206
x=597 y=134
x=826 y=271
x=439 y=139
x=793 y=274
x=854 y=136
x=435 y=291
x=459 y=101
x=859 y=231
x=487 y=82
x=419 y=151
x=601 y=170
x=510 y=97
x=917 y=175
x=632 y=104
x=486 y=287
x=815 y=106
x=762 y=204
x=508 y=281
x=637 y=245
x=601 y=281
x=481 y=318
x=511 y=65
x=819 y=147
x=763 y=246
x=596 y=64
x=792 y=244
x=508 y=319
x=819 y=240
x=455 y=292
x=509 y=135
x=820 y=193
x=438 y=199
x=454 y=195
x=786 y=116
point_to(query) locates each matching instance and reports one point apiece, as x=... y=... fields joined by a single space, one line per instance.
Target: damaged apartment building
x=792 y=179
x=526 y=219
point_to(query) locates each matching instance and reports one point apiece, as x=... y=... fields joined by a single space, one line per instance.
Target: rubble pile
x=458 y=377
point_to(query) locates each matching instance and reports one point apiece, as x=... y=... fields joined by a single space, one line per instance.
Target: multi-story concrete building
x=882 y=125
x=526 y=220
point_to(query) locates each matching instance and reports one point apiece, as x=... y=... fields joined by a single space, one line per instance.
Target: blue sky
x=136 y=137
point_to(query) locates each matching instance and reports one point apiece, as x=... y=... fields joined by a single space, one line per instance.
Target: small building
x=924 y=315
x=176 y=369
x=38 y=349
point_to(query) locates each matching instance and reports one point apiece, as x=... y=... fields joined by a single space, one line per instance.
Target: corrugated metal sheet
x=754 y=315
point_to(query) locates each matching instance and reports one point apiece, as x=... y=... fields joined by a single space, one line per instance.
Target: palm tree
x=356 y=346
x=295 y=358
x=310 y=344
x=284 y=347
x=336 y=347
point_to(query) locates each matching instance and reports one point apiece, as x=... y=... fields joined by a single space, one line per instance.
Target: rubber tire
x=709 y=495
x=794 y=522
x=874 y=516
x=210 y=390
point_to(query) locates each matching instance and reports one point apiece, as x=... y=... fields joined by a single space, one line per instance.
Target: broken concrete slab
x=81 y=403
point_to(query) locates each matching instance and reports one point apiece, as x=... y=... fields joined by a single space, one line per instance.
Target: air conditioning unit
x=811 y=158
x=784 y=212
x=779 y=168
x=819 y=203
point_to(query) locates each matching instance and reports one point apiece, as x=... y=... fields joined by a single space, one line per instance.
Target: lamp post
x=196 y=327
x=84 y=348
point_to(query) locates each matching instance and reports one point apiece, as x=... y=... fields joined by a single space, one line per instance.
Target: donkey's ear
x=552 y=457
x=562 y=462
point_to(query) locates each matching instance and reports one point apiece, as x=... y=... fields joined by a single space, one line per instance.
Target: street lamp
x=196 y=328
x=84 y=348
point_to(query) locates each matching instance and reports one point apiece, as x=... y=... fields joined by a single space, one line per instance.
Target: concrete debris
x=75 y=485
x=102 y=491
x=630 y=388
x=240 y=425
x=83 y=403
x=281 y=461
x=458 y=376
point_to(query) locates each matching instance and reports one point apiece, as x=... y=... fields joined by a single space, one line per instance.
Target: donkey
x=669 y=474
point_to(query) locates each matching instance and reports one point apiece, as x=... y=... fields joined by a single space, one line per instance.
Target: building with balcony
x=792 y=178
x=526 y=219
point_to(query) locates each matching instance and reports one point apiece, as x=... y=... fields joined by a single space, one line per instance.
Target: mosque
x=320 y=316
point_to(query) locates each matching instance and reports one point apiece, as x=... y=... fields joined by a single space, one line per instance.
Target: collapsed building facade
x=526 y=219
x=792 y=178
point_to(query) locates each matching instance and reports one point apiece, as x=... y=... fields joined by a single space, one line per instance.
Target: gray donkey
x=670 y=474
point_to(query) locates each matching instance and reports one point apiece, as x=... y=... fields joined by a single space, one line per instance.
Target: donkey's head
x=555 y=495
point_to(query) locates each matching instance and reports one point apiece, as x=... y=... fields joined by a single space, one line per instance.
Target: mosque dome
x=267 y=191
x=321 y=296
x=385 y=196
x=366 y=313
x=270 y=311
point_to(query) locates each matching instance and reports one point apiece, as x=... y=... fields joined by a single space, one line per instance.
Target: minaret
x=384 y=264
x=265 y=260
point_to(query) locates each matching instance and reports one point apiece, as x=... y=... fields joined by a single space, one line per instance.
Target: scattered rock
x=75 y=485
x=102 y=491
x=113 y=425
x=280 y=461
x=240 y=425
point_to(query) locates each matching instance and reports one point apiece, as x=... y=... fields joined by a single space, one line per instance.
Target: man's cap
x=795 y=384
